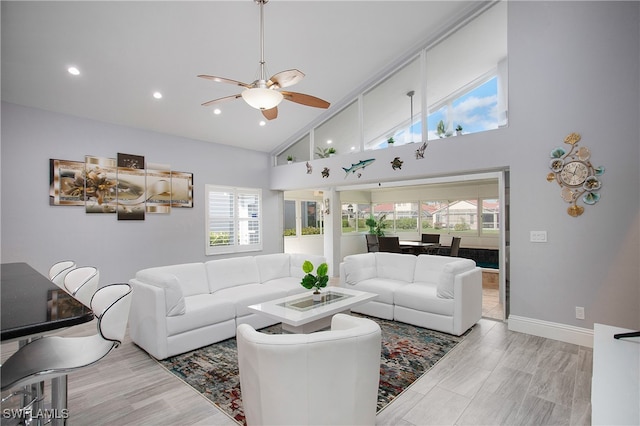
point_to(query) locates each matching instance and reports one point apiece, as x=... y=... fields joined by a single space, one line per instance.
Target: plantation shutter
x=233 y=219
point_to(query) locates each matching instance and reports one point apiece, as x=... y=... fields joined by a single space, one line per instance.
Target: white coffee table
x=300 y=314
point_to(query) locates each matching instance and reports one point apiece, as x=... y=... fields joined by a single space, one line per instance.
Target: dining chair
x=59 y=270
x=389 y=244
x=430 y=238
x=372 y=243
x=82 y=283
x=53 y=357
x=433 y=239
x=455 y=246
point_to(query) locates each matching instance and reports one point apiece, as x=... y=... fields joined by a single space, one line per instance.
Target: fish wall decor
x=358 y=166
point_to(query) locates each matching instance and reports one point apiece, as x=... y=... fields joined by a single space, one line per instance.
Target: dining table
x=30 y=307
x=416 y=247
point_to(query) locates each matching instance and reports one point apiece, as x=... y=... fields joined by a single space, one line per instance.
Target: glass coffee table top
x=301 y=309
x=306 y=302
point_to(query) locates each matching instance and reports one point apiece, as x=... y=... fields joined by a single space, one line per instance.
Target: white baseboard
x=551 y=330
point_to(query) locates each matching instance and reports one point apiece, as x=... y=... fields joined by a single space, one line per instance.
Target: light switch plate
x=538 y=236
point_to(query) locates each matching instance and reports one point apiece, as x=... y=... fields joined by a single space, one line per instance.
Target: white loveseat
x=182 y=307
x=437 y=292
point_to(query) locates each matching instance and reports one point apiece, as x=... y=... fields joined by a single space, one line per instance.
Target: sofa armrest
x=468 y=300
x=170 y=287
x=147 y=318
x=342 y=282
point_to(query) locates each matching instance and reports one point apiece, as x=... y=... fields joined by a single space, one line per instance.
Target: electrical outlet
x=579 y=312
x=538 y=236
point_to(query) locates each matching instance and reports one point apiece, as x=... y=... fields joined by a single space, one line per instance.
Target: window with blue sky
x=473 y=111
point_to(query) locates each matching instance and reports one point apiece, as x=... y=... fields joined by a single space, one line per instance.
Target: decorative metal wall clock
x=575 y=174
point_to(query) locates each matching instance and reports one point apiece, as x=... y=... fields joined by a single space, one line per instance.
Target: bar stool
x=53 y=357
x=59 y=270
x=82 y=283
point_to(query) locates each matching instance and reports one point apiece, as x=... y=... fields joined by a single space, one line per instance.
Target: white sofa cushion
x=289 y=284
x=395 y=266
x=297 y=259
x=224 y=273
x=173 y=299
x=359 y=267
x=249 y=294
x=383 y=287
x=423 y=297
x=448 y=276
x=203 y=310
x=272 y=266
x=429 y=267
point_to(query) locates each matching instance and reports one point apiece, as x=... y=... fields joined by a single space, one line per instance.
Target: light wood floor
x=494 y=377
x=491 y=304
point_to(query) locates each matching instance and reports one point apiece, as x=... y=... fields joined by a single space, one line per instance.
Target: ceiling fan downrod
x=262 y=82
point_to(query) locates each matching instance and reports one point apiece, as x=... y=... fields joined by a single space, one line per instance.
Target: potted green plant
x=376 y=226
x=391 y=141
x=371 y=223
x=440 y=130
x=289 y=159
x=322 y=152
x=316 y=282
x=331 y=152
x=458 y=130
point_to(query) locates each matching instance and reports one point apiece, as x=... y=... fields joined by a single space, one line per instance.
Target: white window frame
x=234 y=246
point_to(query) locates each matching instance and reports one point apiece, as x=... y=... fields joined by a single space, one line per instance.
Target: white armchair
x=324 y=378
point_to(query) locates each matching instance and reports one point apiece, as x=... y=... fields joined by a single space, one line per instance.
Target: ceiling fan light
x=262 y=98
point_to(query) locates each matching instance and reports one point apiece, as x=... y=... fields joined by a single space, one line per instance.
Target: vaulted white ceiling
x=126 y=51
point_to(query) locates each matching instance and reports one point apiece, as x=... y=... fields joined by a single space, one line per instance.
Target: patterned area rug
x=407 y=353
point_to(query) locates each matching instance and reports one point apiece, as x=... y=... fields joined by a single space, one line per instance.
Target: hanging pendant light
x=410 y=95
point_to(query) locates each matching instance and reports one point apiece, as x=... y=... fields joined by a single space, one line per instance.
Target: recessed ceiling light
x=329 y=141
x=157 y=95
x=73 y=71
x=353 y=148
x=217 y=111
x=262 y=123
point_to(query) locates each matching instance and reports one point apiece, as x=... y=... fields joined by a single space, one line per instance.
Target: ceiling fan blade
x=224 y=80
x=219 y=100
x=270 y=114
x=285 y=78
x=308 y=100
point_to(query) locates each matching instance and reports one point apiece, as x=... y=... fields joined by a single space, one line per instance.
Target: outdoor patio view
x=463 y=217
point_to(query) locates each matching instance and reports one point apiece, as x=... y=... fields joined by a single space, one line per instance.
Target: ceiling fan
x=264 y=94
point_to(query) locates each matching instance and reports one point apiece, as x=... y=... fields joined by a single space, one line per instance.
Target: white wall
x=573 y=67
x=40 y=234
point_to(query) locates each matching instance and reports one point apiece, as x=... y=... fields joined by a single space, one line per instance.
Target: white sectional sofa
x=436 y=292
x=182 y=307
